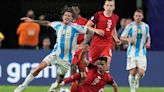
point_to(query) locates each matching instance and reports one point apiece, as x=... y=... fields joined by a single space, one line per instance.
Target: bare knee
x=141 y=72
x=132 y=72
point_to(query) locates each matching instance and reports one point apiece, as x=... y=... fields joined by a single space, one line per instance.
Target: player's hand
x=27 y=19
x=86 y=48
x=118 y=42
x=148 y=45
x=99 y=32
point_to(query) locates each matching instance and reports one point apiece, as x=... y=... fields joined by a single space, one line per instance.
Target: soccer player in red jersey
x=75 y=62
x=104 y=21
x=96 y=78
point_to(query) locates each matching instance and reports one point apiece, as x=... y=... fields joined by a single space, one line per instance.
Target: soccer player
x=75 y=62
x=104 y=21
x=96 y=78
x=137 y=35
x=67 y=33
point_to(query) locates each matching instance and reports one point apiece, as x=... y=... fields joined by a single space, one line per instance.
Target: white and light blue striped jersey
x=66 y=39
x=139 y=34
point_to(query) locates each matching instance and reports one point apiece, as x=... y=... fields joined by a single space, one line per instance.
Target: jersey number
x=109 y=25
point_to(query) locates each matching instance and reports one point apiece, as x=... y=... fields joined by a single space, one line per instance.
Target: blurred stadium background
x=16 y=63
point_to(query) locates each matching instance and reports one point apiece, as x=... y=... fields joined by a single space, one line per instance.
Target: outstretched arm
x=41 y=22
x=73 y=78
x=90 y=26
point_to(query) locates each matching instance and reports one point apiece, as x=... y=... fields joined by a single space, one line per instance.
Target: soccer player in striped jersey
x=64 y=49
x=137 y=35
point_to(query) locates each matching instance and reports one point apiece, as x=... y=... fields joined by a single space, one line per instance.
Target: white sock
x=137 y=77
x=28 y=79
x=132 y=83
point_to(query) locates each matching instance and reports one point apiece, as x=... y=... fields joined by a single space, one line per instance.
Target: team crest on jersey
x=68 y=32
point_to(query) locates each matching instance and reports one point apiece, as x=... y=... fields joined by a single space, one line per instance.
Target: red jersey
x=81 y=21
x=107 y=24
x=94 y=81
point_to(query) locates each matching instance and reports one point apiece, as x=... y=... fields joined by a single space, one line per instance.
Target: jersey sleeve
x=125 y=33
x=94 y=18
x=117 y=18
x=80 y=28
x=55 y=25
x=147 y=31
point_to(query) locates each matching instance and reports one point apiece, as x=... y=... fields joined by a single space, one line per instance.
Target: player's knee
x=132 y=72
x=141 y=74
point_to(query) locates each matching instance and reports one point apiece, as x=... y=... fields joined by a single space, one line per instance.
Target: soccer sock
x=28 y=79
x=131 y=82
x=137 y=76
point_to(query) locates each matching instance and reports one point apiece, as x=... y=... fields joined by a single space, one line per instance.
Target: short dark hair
x=109 y=0
x=103 y=58
x=140 y=11
x=75 y=4
x=67 y=9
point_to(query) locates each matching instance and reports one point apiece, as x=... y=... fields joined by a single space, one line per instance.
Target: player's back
x=28 y=33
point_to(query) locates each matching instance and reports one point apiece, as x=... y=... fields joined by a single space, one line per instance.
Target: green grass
x=107 y=89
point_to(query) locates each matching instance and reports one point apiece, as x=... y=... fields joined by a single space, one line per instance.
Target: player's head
x=76 y=8
x=102 y=63
x=109 y=5
x=138 y=15
x=67 y=15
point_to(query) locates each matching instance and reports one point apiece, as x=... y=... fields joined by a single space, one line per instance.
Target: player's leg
x=131 y=66
x=62 y=68
x=141 y=64
x=107 y=52
x=131 y=79
x=31 y=76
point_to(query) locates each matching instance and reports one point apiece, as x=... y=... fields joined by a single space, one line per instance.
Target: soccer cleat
x=20 y=88
x=137 y=83
x=54 y=87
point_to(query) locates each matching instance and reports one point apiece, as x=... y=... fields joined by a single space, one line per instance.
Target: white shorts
x=62 y=65
x=139 y=62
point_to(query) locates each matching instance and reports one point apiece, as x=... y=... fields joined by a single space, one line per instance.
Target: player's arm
x=148 y=38
x=148 y=43
x=124 y=36
x=82 y=57
x=90 y=26
x=73 y=78
x=114 y=85
x=41 y=22
x=115 y=37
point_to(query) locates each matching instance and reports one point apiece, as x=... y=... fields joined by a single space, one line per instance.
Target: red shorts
x=97 y=51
